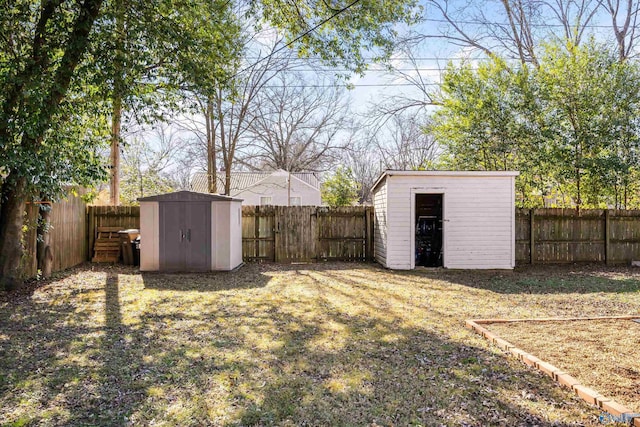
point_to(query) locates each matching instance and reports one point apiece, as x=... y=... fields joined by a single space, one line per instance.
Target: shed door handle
x=181 y=236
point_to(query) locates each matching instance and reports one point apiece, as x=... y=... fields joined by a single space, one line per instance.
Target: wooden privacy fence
x=307 y=233
x=304 y=234
x=111 y=216
x=68 y=235
x=554 y=236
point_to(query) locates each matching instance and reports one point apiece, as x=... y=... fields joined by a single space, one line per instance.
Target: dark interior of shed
x=428 y=250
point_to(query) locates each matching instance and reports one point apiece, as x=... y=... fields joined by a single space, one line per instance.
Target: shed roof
x=188 y=196
x=394 y=172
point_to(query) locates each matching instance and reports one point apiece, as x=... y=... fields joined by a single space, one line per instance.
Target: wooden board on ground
x=107 y=245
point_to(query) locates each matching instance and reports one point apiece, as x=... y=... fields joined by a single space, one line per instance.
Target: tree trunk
x=116 y=117
x=114 y=193
x=11 y=222
x=227 y=180
x=212 y=173
x=43 y=248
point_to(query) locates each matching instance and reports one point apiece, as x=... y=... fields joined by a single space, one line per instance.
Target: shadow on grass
x=370 y=370
x=548 y=279
x=204 y=282
x=33 y=284
x=302 y=353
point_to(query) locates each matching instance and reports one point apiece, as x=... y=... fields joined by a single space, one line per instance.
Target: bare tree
x=297 y=126
x=228 y=111
x=408 y=144
x=155 y=161
x=624 y=20
x=514 y=28
x=365 y=163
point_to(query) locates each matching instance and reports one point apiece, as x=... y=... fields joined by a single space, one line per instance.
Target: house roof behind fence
x=183 y=196
x=243 y=180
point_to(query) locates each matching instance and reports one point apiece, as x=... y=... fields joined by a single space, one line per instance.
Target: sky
x=430 y=56
x=434 y=53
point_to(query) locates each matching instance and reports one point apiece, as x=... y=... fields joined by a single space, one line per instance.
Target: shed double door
x=185 y=236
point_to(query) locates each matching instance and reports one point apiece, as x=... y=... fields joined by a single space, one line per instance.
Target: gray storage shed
x=188 y=231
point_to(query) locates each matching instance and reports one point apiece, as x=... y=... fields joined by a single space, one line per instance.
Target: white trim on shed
x=477 y=217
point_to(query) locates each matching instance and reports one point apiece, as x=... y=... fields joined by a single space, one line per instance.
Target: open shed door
x=428 y=230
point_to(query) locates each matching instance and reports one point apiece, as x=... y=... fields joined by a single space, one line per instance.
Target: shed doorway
x=428 y=250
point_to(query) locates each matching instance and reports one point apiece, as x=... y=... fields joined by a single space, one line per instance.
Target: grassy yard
x=322 y=344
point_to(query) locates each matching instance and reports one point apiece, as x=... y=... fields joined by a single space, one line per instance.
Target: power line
x=324 y=21
x=349 y=85
x=375 y=70
x=454 y=22
x=396 y=58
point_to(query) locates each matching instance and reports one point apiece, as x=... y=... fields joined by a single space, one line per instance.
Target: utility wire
x=375 y=70
x=309 y=31
x=349 y=85
x=399 y=58
x=445 y=21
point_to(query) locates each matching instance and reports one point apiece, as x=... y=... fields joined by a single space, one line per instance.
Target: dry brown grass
x=321 y=344
x=601 y=354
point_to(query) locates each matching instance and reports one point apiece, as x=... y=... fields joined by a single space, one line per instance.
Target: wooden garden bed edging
x=617 y=411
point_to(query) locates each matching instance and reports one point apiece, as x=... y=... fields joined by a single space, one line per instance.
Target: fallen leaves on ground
x=317 y=344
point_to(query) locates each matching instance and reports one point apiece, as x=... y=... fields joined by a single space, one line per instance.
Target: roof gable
x=187 y=196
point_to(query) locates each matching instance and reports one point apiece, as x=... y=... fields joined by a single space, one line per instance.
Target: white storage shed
x=453 y=219
x=188 y=231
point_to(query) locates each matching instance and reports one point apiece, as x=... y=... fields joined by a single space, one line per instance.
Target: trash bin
x=127 y=238
x=136 y=251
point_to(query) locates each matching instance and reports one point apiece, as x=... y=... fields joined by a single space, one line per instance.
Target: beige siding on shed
x=235 y=231
x=149 y=236
x=226 y=235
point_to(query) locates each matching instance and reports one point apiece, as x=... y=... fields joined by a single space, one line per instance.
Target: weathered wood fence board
x=110 y=216
x=555 y=236
x=69 y=223
x=258 y=233
x=343 y=234
x=306 y=233
x=68 y=235
x=303 y=234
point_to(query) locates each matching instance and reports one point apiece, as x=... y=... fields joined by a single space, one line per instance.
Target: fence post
x=256 y=230
x=532 y=240
x=607 y=237
x=371 y=252
x=91 y=227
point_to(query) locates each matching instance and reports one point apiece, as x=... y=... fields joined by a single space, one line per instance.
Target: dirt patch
x=601 y=354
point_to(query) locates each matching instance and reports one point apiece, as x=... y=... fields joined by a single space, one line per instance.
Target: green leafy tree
x=488 y=121
x=50 y=97
x=567 y=125
x=591 y=101
x=341 y=189
x=40 y=110
x=149 y=50
x=345 y=33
